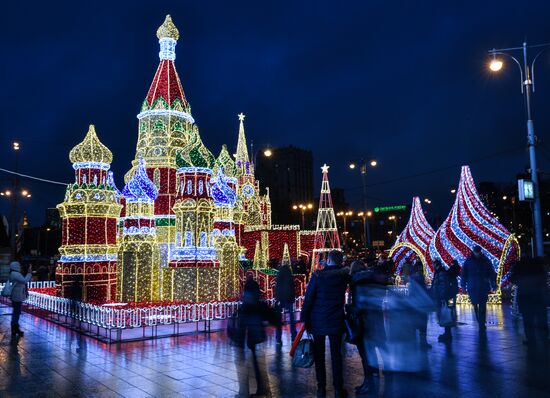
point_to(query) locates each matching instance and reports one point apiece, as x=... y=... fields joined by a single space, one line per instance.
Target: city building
x=288 y=173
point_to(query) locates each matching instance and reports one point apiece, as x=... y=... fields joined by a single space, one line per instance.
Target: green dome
x=226 y=161
x=195 y=154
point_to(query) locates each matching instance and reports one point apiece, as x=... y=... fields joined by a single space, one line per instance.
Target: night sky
x=403 y=82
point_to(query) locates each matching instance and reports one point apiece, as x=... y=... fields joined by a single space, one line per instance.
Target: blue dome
x=140 y=188
x=222 y=193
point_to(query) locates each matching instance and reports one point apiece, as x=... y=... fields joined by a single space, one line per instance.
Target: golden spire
x=168 y=29
x=91 y=150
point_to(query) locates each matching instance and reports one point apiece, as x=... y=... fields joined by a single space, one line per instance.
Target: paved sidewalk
x=51 y=361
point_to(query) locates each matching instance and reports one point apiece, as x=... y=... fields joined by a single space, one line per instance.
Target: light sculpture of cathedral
x=184 y=219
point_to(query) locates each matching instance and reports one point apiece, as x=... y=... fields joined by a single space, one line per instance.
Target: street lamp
x=428 y=201
x=527 y=76
x=453 y=190
x=268 y=153
x=363 y=169
x=303 y=208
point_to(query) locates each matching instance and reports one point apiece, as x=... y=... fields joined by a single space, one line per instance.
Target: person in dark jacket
x=445 y=289
x=478 y=279
x=368 y=287
x=530 y=277
x=19 y=294
x=284 y=294
x=252 y=315
x=323 y=314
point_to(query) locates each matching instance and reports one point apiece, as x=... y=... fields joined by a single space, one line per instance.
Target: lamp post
x=365 y=215
x=303 y=208
x=527 y=75
x=363 y=170
x=14 y=198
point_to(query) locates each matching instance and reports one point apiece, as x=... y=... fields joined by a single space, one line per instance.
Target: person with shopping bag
x=323 y=315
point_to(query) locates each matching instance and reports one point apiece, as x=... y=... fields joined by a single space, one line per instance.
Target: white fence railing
x=111 y=316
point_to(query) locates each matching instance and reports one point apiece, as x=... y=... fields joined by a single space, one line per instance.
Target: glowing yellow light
x=352 y=166
x=310 y=206
x=24 y=192
x=495 y=65
x=268 y=153
x=373 y=163
x=16 y=145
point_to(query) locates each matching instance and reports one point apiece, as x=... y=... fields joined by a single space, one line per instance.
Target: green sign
x=385 y=209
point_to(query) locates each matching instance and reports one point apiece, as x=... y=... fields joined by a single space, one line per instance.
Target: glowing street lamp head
x=268 y=153
x=352 y=166
x=374 y=163
x=295 y=207
x=369 y=213
x=310 y=206
x=496 y=64
x=16 y=146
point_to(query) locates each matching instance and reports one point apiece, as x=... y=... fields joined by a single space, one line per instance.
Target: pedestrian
x=368 y=289
x=251 y=317
x=285 y=296
x=406 y=271
x=444 y=290
x=323 y=314
x=478 y=279
x=19 y=294
x=420 y=302
x=532 y=298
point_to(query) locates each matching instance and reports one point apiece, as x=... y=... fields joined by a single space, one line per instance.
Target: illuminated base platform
x=119 y=322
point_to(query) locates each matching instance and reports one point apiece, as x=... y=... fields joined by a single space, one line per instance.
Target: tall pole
x=14 y=198
x=537 y=219
x=366 y=225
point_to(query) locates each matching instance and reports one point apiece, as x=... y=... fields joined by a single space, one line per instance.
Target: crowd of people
x=352 y=301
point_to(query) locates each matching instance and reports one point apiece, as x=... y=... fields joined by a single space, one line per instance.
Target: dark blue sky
x=404 y=82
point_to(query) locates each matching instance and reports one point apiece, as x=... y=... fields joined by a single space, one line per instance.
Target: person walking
x=251 y=317
x=420 y=302
x=19 y=294
x=285 y=296
x=323 y=314
x=478 y=279
x=532 y=297
x=444 y=294
x=368 y=288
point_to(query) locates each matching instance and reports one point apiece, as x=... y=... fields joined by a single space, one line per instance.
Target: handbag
x=352 y=324
x=303 y=355
x=445 y=316
x=8 y=289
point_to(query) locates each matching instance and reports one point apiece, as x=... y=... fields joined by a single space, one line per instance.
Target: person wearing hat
x=478 y=279
x=19 y=294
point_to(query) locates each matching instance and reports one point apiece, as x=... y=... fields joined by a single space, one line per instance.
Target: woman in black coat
x=252 y=314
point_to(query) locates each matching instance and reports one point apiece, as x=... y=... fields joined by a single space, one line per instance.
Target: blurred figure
x=406 y=272
x=43 y=272
x=19 y=294
x=532 y=297
x=251 y=317
x=285 y=295
x=368 y=289
x=421 y=303
x=478 y=279
x=323 y=314
x=445 y=289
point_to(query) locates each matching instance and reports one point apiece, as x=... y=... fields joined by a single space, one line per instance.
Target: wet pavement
x=51 y=361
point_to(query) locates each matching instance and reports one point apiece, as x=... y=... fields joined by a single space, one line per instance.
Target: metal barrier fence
x=114 y=316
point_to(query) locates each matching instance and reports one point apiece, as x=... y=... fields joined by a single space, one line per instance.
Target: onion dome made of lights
x=414 y=239
x=226 y=161
x=470 y=223
x=140 y=188
x=222 y=193
x=195 y=154
x=168 y=29
x=91 y=150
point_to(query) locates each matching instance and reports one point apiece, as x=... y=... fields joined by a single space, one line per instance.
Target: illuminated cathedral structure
x=184 y=219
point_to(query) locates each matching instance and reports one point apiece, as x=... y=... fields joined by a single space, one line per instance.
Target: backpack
x=7 y=290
